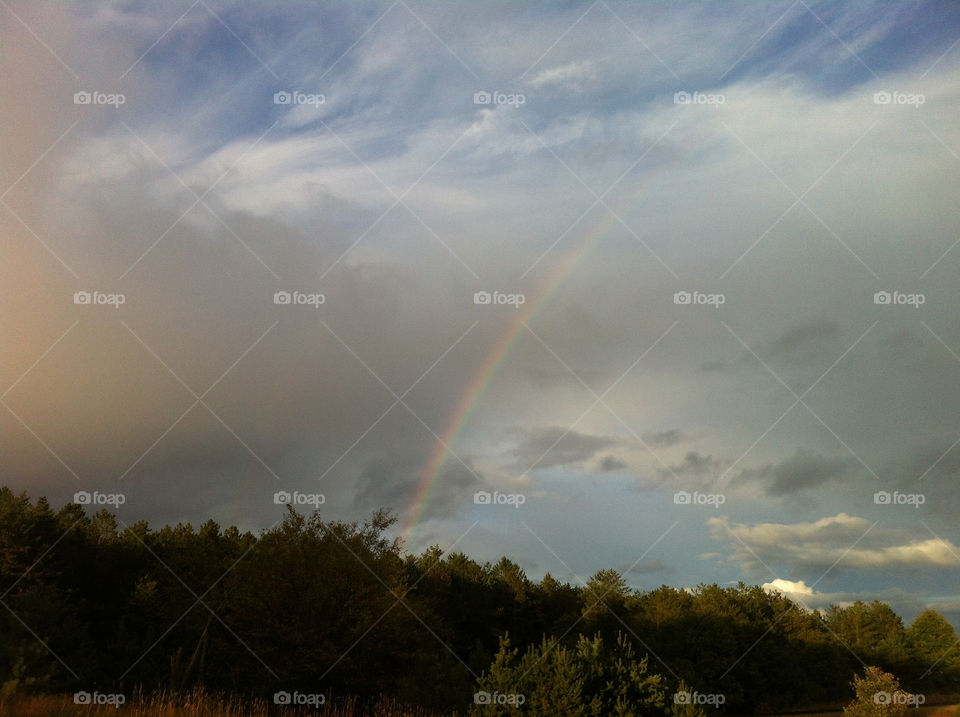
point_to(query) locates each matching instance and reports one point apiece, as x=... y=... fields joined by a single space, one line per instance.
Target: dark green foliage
x=92 y=603
x=591 y=678
x=934 y=651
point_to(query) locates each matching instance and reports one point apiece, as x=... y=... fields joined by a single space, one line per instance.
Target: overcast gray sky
x=720 y=246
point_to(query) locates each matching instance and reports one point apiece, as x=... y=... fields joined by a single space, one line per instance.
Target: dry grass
x=192 y=704
x=937 y=710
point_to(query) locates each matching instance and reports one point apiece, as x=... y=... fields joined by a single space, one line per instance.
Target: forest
x=339 y=610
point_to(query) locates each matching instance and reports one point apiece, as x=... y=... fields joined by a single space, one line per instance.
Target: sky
x=665 y=287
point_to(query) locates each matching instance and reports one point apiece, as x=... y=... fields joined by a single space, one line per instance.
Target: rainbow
x=502 y=348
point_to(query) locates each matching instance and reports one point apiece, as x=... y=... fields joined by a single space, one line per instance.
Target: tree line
x=338 y=608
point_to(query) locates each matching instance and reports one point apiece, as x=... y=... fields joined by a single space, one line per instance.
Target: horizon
x=784 y=587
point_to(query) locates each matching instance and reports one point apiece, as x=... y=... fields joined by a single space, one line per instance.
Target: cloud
x=612 y=463
x=665 y=439
x=695 y=466
x=570 y=75
x=801 y=344
x=841 y=540
x=803 y=470
x=644 y=567
x=552 y=447
x=391 y=483
x=788 y=587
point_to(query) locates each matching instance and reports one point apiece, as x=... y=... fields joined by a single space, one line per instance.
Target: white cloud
x=788 y=587
x=841 y=540
x=570 y=75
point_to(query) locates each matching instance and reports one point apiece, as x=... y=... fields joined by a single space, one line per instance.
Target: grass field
x=200 y=704
x=196 y=704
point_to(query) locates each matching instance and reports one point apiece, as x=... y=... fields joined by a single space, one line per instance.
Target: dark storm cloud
x=609 y=464
x=694 y=466
x=795 y=346
x=803 y=470
x=390 y=483
x=551 y=447
x=665 y=439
